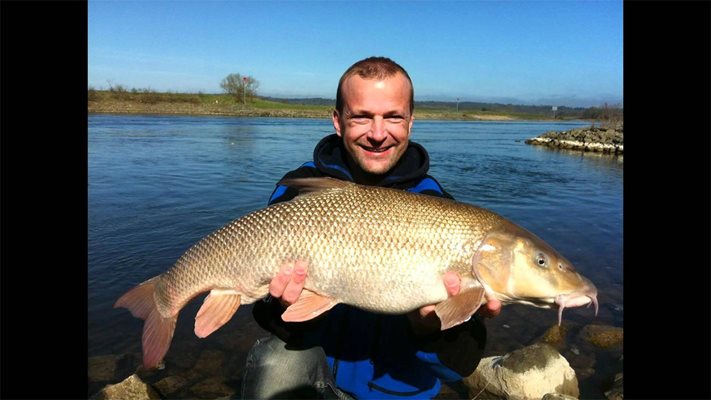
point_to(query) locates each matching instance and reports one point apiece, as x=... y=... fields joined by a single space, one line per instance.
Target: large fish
x=378 y=249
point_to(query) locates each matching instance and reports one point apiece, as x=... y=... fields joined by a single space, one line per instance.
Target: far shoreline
x=215 y=105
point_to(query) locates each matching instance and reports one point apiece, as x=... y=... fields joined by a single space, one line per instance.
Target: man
x=348 y=352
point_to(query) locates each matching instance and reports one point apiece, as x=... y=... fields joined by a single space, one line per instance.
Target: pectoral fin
x=309 y=305
x=219 y=306
x=459 y=308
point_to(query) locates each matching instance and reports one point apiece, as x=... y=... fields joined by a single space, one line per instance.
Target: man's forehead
x=380 y=80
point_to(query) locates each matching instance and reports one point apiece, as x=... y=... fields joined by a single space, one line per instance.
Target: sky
x=564 y=53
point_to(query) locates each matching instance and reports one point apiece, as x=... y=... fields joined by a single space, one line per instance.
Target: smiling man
x=374 y=121
x=348 y=352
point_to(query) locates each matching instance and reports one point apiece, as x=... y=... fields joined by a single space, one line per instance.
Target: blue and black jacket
x=376 y=355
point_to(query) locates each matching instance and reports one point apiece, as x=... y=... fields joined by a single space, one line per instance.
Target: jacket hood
x=330 y=158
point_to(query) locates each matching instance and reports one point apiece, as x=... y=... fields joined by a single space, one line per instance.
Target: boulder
x=615 y=393
x=170 y=385
x=131 y=388
x=602 y=336
x=211 y=388
x=523 y=374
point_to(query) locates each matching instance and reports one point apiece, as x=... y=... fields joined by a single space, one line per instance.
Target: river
x=158 y=184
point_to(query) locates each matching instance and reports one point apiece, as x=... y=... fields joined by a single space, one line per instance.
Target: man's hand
x=289 y=282
x=424 y=320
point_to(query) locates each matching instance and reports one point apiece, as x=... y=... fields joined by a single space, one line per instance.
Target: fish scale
x=379 y=249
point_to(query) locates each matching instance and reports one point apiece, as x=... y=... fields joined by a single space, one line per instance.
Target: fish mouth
x=576 y=299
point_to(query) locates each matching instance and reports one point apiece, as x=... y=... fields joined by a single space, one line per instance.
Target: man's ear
x=336 y=122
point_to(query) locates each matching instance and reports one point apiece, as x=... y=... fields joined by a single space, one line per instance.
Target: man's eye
x=395 y=119
x=360 y=120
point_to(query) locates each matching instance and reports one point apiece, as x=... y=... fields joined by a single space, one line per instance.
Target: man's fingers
x=451 y=282
x=493 y=307
x=426 y=310
x=296 y=285
x=281 y=280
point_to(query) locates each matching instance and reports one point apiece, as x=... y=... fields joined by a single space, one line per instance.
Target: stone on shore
x=132 y=388
x=602 y=140
x=602 y=336
x=616 y=392
x=528 y=373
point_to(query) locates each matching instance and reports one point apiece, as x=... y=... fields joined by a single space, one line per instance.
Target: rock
x=170 y=385
x=102 y=368
x=185 y=354
x=558 y=396
x=615 y=393
x=209 y=364
x=527 y=373
x=211 y=388
x=111 y=367
x=555 y=336
x=602 y=336
x=587 y=139
x=132 y=388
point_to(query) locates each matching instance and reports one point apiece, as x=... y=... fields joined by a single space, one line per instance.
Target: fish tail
x=157 y=330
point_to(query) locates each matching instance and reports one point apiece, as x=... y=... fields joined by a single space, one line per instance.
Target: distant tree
x=606 y=115
x=240 y=87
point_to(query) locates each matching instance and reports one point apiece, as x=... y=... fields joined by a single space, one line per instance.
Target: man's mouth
x=376 y=149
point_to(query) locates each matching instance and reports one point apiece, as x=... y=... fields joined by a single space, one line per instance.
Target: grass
x=145 y=101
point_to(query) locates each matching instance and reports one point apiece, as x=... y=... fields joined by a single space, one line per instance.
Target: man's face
x=375 y=123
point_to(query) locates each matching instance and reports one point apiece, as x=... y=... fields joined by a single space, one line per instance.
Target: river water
x=158 y=184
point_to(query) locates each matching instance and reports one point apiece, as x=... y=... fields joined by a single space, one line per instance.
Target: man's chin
x=375 y=168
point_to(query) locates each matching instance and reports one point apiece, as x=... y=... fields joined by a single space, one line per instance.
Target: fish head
x=516 y=266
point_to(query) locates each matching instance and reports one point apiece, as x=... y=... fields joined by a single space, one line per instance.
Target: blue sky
x=531 y=52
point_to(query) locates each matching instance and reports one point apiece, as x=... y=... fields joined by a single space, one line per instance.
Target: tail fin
x=157 y=330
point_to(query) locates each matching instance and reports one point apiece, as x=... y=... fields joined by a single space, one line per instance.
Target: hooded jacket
x=376 y=355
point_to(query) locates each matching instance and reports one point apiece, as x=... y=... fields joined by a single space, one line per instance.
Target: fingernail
x=288 y=270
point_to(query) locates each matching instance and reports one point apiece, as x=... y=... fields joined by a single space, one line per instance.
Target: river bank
x=106 y=102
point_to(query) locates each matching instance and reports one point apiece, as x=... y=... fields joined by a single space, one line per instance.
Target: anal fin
x=459 y=308
x=309 y=305
x=219 y=306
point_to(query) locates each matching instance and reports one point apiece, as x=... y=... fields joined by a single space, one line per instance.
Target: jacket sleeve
x=284 y=193
x=453 y=353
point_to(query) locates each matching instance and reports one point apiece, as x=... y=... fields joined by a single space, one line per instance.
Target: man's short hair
x=373 y=68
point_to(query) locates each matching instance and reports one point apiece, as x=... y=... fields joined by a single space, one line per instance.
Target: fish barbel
x=379 y=249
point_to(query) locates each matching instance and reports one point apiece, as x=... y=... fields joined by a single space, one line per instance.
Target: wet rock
x=170 y=385
x=132 y=388
x=602 y=140
x=558 y=396
x=555 y=336
x=211 y=388
x=615 y=393
x=602 y=336
x=527 y=373
x=185 y=354
x=102 y=368
x=209 y=364
x=112 y=367
x=452 y=390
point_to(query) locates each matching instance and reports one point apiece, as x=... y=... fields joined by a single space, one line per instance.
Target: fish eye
x=560 y=267
x=541 y=260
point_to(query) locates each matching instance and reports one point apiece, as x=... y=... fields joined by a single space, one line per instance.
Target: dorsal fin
x=310 y=185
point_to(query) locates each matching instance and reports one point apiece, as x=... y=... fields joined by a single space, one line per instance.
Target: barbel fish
x=379 y=249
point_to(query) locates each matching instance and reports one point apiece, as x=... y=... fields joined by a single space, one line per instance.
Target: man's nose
x=377 y=129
